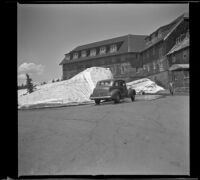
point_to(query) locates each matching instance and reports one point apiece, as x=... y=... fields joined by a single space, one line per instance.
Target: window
x=186 y=74
x=144 y=67
x=93 y=52
x=137 y=69
x=75 y=55
x=116 y=83
x=173 y=59
x=148 y=67
x=83 y=54
x=67 y=57
x=154 y=65
x=184 y=54
x=102 y=50
x=178 y=40
x=113 y=48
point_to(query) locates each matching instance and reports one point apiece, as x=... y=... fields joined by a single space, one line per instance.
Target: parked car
x=111 y=89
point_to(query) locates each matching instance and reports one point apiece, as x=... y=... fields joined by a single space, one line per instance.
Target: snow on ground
x=78 y=89
x=144 y=85
x=74 y=90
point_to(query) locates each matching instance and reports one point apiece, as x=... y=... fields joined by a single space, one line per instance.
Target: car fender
x=114 y=93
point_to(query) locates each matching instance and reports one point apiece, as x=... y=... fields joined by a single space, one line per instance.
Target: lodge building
x=132 y=57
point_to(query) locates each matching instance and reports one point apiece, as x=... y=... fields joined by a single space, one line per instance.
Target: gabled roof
x=129 y=43
x=133 y=43
x=167 y=29
x=177 y=47
x=172 y=24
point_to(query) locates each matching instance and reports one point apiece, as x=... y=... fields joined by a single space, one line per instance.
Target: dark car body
x=111 y=89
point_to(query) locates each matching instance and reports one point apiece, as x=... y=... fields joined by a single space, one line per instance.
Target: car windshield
x=105 y=83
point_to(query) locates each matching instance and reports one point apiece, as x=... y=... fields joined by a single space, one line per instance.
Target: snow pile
x=144 y=85
x=74 y=90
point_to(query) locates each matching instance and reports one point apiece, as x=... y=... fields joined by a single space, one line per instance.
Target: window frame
x=113 y=48
x=101 y=50
x=74 y=55
x=93 y=52
x=84 y=52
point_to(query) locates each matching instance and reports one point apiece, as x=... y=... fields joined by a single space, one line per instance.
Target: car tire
x=117 y=99
x=133 y=98
x=97 y=101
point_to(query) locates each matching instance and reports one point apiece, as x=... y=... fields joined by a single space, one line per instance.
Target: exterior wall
x=179 y=57
x=122 y=66
x=180 y=80
x=162 y=78
x=171 y=40
x=151 y=63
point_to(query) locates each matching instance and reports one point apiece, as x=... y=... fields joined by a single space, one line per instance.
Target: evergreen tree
x=29 y=84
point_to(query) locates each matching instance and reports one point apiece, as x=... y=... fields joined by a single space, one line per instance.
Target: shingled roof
x=167 y=29
x=130 y=43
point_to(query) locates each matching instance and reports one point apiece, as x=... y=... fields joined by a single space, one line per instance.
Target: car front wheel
x=97 y=101
x=117 y=99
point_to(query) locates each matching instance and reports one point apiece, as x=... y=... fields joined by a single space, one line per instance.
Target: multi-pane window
x=154 y=65
x=113 y=48
x=83 y=54
x=67 y=57
x=148 y=67
x=173 y=59
x=102 y=50
x=186 y=74
x=93 y=52
x=75 y=55
x=144 y=67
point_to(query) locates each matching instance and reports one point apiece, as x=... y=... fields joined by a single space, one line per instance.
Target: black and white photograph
x=103 y=89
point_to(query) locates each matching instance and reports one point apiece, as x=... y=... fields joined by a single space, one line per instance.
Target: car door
x=122 y=88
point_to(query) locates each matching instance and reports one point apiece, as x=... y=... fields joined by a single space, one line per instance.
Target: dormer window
x=75 y=56
x=83 y=54
x=102 y=50
x=67 y=57
x=113 y=48
x=93 y=52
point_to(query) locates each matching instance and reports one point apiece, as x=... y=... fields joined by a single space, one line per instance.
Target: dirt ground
x=141 y=137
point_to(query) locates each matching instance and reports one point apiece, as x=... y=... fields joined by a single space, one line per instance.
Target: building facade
x=132 y=56
x=120 y=54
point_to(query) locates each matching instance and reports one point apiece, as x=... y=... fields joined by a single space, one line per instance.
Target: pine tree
x=29 y=84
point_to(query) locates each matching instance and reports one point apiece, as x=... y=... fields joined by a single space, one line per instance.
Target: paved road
x=144 y=137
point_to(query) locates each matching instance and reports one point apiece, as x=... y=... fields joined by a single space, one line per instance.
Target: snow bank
x=74 y=90
x=144 y=85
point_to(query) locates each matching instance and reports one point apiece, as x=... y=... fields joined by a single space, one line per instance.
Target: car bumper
x=100 y=97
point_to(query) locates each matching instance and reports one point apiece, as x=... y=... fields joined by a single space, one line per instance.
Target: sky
x=45 y=32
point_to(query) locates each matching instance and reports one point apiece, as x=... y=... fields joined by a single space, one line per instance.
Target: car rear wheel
x=133 y=98
x=117 y=99
x=97 y=101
